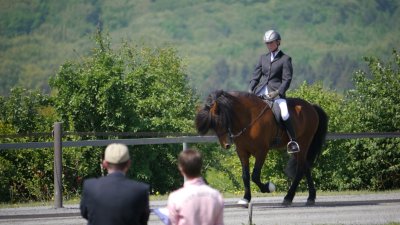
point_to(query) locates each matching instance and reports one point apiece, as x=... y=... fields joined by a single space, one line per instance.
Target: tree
x=130 y=89
x=26 y=174
x=27 y=111
x=373 y=106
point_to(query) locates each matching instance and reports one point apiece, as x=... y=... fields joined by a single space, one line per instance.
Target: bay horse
x=247 y=121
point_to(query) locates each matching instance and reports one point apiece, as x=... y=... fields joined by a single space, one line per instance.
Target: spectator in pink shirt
x=195 y=203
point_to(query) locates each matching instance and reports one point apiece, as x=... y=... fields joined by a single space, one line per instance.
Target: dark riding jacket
x=115 y=199
x=277 y=74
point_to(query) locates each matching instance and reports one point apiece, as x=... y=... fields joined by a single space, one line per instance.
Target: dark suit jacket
x=115 y=199
x=277 y=74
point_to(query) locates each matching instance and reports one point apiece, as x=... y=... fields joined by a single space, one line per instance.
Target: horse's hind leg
x=312 y=193
x=303 y=170
x=295 y=183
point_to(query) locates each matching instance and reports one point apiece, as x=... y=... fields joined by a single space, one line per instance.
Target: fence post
x=185 y=146
x=57 y=132
x=250 y=213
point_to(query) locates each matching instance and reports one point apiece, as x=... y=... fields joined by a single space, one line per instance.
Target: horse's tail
x=319 y=138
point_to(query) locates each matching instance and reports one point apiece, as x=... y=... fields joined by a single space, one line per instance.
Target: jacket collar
x=116 y=174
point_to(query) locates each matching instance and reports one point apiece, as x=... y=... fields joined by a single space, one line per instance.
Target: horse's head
x=216 y=115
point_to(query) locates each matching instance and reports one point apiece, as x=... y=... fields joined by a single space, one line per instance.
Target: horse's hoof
x=310 y=202
x=243 y=202
x=286 y=202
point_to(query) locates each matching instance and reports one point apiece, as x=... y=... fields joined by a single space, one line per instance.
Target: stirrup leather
x=290 y=150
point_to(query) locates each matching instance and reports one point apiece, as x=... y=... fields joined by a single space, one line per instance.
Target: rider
x=271 y=78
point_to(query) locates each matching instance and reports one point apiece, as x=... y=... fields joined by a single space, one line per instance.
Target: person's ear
x=128 y=165
x=105 y=164
x=181 y=170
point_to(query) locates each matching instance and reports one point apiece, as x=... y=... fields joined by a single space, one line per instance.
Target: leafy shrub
x=373 y=106
x=131 y=89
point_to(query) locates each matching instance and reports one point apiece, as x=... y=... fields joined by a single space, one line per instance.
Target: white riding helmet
x=271 y=35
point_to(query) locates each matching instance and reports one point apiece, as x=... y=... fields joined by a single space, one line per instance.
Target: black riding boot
x=292 y=146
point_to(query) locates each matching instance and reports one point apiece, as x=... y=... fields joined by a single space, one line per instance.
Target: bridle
x=232 y=136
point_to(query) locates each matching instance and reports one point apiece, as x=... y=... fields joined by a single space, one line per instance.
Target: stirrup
x=290 y=149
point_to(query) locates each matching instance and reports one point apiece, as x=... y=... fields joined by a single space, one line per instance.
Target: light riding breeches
x=284 y=109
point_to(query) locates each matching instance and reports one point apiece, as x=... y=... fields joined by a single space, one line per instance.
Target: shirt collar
x=274 y=54
x=194 y=181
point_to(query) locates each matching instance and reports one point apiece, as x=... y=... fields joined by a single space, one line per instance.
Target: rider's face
x=272 y=46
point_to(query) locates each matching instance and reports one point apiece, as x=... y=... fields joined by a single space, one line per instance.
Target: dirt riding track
x=378 y=208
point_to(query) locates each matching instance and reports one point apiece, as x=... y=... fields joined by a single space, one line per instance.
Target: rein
x=248 y=126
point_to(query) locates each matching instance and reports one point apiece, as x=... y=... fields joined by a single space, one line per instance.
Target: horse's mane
x=217 y=110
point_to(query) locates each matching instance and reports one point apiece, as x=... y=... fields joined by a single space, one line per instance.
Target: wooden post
x=57 y=133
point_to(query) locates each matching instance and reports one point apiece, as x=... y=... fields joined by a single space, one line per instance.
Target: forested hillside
x=220 y=41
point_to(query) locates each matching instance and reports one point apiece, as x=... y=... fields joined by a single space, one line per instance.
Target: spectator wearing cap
x=115 y=199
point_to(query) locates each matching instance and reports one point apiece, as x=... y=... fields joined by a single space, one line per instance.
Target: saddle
x=275 y=110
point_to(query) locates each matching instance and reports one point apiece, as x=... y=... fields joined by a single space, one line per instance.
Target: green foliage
x=26 y=174
x=222 y=168
x=147 y=89
x=375 y=97
x=89 y=95
x=329 y=100
x=129 y=89
x=27 y=111
x=21 y=17
x=220 y=40
x=374 y=107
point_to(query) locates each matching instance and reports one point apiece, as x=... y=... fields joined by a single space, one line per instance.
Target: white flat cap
x=116 y=153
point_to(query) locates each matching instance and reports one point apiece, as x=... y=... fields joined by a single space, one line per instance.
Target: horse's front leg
x=244 y=160
x=246 y=182
x=256 y=174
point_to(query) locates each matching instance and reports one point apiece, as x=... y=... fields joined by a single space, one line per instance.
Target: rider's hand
x=272 y=94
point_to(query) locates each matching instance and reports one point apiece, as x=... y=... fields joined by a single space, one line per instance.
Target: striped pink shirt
x=196 y=204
